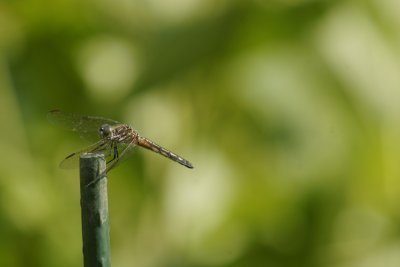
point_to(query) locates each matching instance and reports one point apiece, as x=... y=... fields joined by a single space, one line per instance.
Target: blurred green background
x=288 y=109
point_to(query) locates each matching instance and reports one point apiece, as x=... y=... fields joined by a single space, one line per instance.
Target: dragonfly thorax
x=105 y=131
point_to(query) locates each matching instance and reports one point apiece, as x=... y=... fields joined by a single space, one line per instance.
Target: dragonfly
x=113 y=139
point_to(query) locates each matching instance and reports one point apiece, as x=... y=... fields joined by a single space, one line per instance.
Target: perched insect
x=115 y=140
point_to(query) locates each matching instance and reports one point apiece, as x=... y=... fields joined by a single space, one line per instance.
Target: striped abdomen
x=146 y=143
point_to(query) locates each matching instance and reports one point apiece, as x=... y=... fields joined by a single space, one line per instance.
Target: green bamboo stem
x=94 y=207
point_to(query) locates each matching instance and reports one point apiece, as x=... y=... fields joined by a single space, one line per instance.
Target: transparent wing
x=72 y=160
x=106 y=148
x=86 y=126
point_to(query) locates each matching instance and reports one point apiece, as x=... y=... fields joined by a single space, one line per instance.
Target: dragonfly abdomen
x=146 y=143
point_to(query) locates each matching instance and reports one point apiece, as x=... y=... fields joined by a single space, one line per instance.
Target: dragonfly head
x=105 y=131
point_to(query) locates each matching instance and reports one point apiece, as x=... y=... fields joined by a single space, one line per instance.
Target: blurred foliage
x=288 y=110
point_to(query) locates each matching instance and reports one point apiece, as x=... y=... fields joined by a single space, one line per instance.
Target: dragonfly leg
x=115 y=154
x=115 y=151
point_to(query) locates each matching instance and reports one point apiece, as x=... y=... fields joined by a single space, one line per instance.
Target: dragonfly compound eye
x=105 y=131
